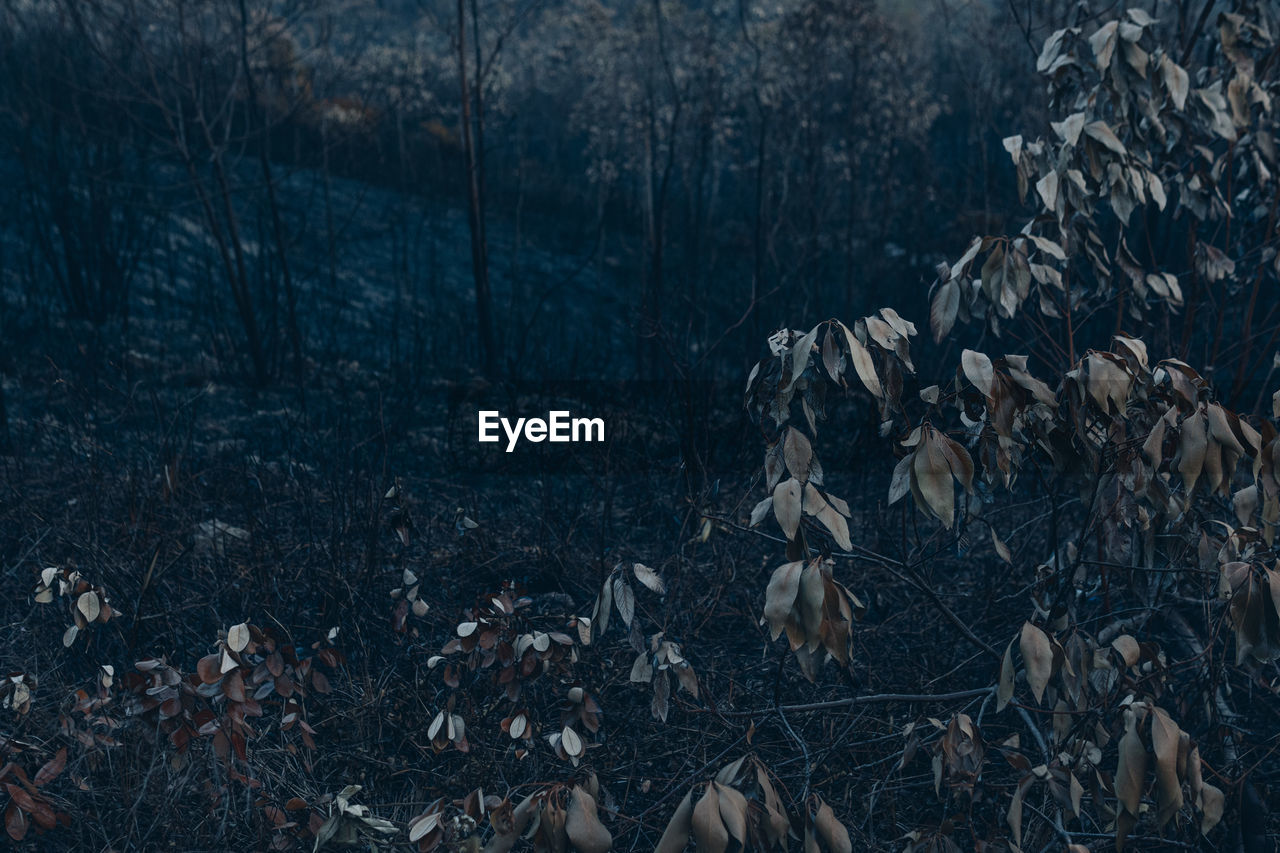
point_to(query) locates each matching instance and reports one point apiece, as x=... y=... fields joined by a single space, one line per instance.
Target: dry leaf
x=238 y=637
x=708 y=827
x=89 y=606
x=1131 y=766
x=676 y=836
x=571 y=742
x=780 y=595
x=786 y=506
x=651 y=579
x=1037 y=657
x=582 y=824
x=1004 y=690
x=978 y=370
x=831 y=831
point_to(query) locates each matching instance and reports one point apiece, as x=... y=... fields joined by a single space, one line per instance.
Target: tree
x=473 y=151
x=1152 y=489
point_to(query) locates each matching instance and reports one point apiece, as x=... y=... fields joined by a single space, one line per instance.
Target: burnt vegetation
x=984 y=557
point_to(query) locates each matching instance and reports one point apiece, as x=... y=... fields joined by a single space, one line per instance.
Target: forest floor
x=196 y=504
x=122 y=482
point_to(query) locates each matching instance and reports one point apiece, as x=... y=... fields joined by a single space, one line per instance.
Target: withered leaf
x=676 y=836
x=787 y=506
x=1037 y=657
x=780 y=595
x=708 y=827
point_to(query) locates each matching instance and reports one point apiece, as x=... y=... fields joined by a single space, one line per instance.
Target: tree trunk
x=5 y=442
x=475 y=212
x=277 y=226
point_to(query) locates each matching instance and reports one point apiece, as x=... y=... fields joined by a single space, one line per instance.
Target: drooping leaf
x=1037 y=657
x=676 y=836
x=1212 y=803
x=1176 y=81
x=787 y=506
x=733 y=811
x=1103 y=43
x=800 y=353
x=1131 y=766
x=900 y=483
x=708 y=827
x=798 y=453
x=1004 y=690
x=862 y=363
x=582 y=824
x=978 y=370
x=1165 y=739
x=944 y=309
x=780 y=595
x=832 y=831
x=931 y=478
x=1102 y=132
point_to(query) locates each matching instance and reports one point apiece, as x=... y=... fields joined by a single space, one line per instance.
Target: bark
x=475 y=211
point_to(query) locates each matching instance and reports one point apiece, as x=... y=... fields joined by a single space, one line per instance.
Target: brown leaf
x=660 y=705
x=1103 y=43
x=1002 y=550
x=1245 y=504
x=238 y=637
x=786 y=506
x=20 y=796
x=761 y=510
x=1128 y=648
x=831 y=831
x=978 y=370
x=52 y=768
x=1102 y=132
x=708 y=827
x=798 y=453
x=651 y=579
x=777 y=825
x=89 y=606
x=780 y=595
x=863 y=364
x=233 y=687
x=1165 y=737
x=1211 y=803
x=676 y=836
x=1014 y=816
x=957 y=457
x=1037 y=657
x=624 y=599
x=943 y=309
x=817 y=505
x=931 y=479
x=809 y=602
x=733 y=811
x=15 y=822
x=900 y=485
x=800 y=353
x=1192 y=449
x=1004 y=690
x=582 y=824
x=1131 y=766
x=1176 y=81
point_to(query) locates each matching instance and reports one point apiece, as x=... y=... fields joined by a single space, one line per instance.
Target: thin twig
x=870 y=699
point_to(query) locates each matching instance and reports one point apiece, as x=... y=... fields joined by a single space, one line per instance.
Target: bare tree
x=473 y=153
